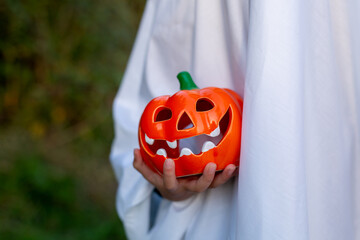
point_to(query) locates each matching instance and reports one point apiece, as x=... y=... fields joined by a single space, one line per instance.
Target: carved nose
x=184 y=122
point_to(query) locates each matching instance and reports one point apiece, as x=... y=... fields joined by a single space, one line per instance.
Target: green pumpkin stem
x=186 y=82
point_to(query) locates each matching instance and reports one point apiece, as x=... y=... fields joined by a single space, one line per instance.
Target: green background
x=61 y=63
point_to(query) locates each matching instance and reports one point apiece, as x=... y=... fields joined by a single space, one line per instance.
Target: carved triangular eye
x=204 y=104
x=163 y=114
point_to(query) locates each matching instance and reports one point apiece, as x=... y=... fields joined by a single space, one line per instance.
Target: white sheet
x=297 y=64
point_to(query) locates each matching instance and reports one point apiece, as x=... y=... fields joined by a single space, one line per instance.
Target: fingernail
x=232 y=170
x=212 y=167
x=136 y=151
x=169 y=163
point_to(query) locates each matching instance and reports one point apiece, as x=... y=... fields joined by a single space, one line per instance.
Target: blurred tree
x=61 y=63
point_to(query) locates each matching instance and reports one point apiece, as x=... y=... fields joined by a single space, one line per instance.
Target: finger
x=147 y=173
x=169 y=177
x=137 y=159
x=224 y=176
x=205 y=180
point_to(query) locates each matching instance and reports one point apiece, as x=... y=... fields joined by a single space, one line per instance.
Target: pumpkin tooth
x=162 y=152
x=185 y=151
x=215 y=133
x=207 y=146
x=149 y=141
x=172 y=144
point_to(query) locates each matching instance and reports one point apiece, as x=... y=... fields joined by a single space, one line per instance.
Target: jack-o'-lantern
x=193 y=127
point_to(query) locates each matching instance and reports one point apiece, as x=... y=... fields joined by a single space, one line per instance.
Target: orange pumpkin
x=193 y=127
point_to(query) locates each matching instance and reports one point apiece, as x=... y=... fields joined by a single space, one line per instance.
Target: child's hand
x=175 y=189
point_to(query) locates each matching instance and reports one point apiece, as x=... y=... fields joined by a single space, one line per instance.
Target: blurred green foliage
x=61 y=63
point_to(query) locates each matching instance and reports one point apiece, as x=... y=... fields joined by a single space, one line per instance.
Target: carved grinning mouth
x=195 y=145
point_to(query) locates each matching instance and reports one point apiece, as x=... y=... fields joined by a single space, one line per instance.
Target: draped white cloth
x=297 y=65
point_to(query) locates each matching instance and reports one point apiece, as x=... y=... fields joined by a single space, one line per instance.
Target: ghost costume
x=297 y=66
